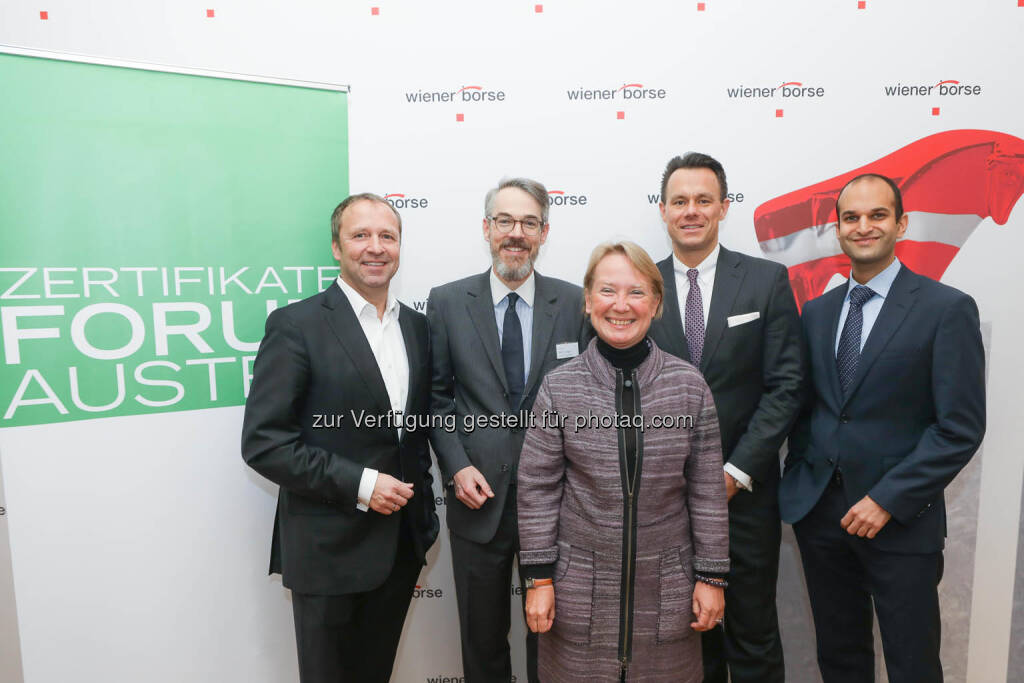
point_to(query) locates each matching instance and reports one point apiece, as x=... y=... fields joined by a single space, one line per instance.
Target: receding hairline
x=374 y=201
x=891 y=206
x=540 y=213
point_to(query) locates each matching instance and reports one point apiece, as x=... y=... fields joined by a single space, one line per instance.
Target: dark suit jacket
x=469 y=380
x=755 y=369
x=913 y=417
x=315 y=361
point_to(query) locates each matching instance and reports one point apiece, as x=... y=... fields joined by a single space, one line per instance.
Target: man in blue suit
x=896 y=409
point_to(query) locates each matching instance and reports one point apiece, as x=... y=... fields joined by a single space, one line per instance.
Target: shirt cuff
x=743 y=479
x=537 y=571
x=366 y=484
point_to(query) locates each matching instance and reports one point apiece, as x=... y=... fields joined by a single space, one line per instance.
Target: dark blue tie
x=512 y=352
x=848 y=353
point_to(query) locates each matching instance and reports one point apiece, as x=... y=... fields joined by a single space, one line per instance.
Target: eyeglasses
x=506 y=224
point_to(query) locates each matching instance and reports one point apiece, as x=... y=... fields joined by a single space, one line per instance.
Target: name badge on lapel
x=567 y=350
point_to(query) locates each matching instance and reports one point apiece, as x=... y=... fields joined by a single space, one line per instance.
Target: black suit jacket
x=914 y=416
x=469 y=380
x=314 y=368
x=755 y=369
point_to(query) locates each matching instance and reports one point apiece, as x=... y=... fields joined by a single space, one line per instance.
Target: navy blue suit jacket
x=913 y=417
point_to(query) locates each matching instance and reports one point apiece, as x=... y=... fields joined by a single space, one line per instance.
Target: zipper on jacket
x=630 y=484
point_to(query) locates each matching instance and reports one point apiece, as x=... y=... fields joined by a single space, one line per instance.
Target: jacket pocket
x=301 y=505
x=675 y=597
x=574 y=594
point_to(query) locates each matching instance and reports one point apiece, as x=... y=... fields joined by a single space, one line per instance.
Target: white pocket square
x=734 y=320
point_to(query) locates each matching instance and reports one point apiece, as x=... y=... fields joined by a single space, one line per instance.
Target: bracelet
x=712 y=581
x=536 y=583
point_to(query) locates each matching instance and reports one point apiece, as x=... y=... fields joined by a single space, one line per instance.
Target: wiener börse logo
x=948 y=88
x=629 y=92
x=563 y=198
x=466 y=93
x=951 y=182
x=734 y=197
x=403 y=201
x=787 y=90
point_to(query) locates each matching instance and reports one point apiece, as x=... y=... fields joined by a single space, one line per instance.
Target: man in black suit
x=897 y=408
x=734 y=317
x=494 y=336
x=340 y=385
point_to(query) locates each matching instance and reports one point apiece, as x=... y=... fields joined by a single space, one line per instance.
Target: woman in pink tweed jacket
x=623 y=522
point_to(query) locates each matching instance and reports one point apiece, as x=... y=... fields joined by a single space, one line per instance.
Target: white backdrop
x=150 y=565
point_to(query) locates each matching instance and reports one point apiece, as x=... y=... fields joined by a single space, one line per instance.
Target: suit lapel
x=346 y=328
x=545 y=315
x=413 y=351
x=670 y=318
x=729 y=274
x=894 y=310
x=481 y=314
x=833 y=308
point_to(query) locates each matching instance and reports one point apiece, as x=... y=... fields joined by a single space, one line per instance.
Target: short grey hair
x=352 y=199
x=530 y=187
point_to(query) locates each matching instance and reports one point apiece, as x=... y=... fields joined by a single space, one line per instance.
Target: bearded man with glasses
x=493 y=338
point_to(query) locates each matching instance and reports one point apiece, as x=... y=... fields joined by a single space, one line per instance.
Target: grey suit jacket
x=469 y=384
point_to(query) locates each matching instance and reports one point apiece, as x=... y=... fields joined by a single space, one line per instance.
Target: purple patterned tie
x=694 y=318
x=848 y=353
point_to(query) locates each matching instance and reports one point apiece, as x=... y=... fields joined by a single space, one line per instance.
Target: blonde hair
x=637 y=257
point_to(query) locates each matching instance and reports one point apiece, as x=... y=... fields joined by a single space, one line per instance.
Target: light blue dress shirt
x=881 y=284
x=524 y=309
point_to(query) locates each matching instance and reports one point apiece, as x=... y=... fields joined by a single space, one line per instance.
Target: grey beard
x=512 y=274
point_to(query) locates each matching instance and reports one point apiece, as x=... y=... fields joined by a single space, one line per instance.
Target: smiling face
x=620 y=302
x=367 y=247
x=513 y=253
x=691 y=208
x=868 y=228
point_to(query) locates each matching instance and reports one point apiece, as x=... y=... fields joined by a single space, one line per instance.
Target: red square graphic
x=209 y=14
x=778 y=113
x=935 y=111
x=701 y=6
x=375 y=11
x=1020 y=3
x=862 y=4
x=538 y=8
x=460 y=117
x=44 y=15
x=620 y=114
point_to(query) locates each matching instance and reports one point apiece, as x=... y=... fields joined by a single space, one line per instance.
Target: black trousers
x=483 y=582
x=845 y=575
x=353 y=638
x=747 y=647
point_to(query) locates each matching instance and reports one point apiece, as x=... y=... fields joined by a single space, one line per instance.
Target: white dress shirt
x=524 y=309
x=706 y=281
x=385 y=338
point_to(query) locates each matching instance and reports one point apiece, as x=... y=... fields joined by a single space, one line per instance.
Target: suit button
x=504 y=467
x=844 y=418
x=831 y=461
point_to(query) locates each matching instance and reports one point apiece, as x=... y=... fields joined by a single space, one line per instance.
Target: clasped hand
x=389 y=494
x=472 y=488
x=865 y=519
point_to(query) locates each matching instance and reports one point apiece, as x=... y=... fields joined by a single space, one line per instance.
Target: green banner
x=149 y=223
